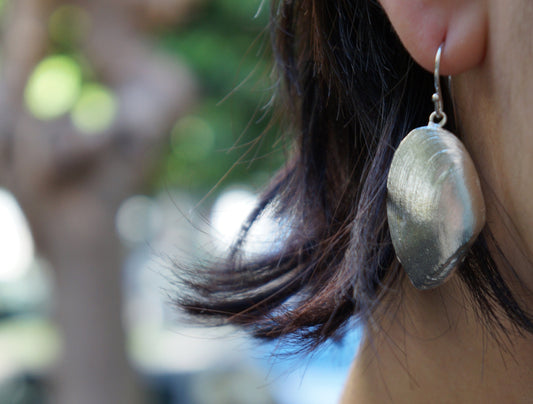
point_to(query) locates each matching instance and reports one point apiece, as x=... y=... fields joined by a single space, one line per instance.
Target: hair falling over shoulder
x=352 y=92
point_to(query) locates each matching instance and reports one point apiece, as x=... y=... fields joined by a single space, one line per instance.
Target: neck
x=432 y=347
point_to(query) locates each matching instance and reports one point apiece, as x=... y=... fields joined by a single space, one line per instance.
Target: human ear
x=423 y=25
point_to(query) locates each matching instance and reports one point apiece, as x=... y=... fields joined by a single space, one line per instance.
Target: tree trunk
x=86 y=255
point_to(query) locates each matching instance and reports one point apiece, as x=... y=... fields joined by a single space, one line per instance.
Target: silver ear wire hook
x=439 y=114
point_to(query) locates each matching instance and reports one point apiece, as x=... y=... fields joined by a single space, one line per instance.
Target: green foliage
x=226 y=45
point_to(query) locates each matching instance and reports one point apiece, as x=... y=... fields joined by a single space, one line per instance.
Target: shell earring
x=435 y=207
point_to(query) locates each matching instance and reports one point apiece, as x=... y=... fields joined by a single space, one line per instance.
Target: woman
x=358 y=77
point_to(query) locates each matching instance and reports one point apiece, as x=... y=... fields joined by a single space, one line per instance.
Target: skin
x=431 y=347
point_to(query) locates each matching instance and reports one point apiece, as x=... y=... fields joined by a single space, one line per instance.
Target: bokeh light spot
x=95 y=109
x=16 y=242
x=138 y=219
x=231 y=211
x=192 y=138
x=53 y=87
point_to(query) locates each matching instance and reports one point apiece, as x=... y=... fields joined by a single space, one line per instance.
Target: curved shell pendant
x=435 y=206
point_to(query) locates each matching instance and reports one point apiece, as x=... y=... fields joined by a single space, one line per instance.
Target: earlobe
x=423 y=25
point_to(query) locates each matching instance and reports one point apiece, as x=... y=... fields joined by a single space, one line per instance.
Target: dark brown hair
x=353 y=93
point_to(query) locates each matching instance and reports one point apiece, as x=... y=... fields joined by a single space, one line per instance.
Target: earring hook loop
x=438 y=117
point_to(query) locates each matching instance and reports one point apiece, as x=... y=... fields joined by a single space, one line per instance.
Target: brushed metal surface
x=435 y=207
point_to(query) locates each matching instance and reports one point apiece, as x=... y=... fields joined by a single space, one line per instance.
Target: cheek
x=512 y=84
x=495 y=109
x=515 y=163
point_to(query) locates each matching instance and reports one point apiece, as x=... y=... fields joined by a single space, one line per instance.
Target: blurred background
x=133 y=133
